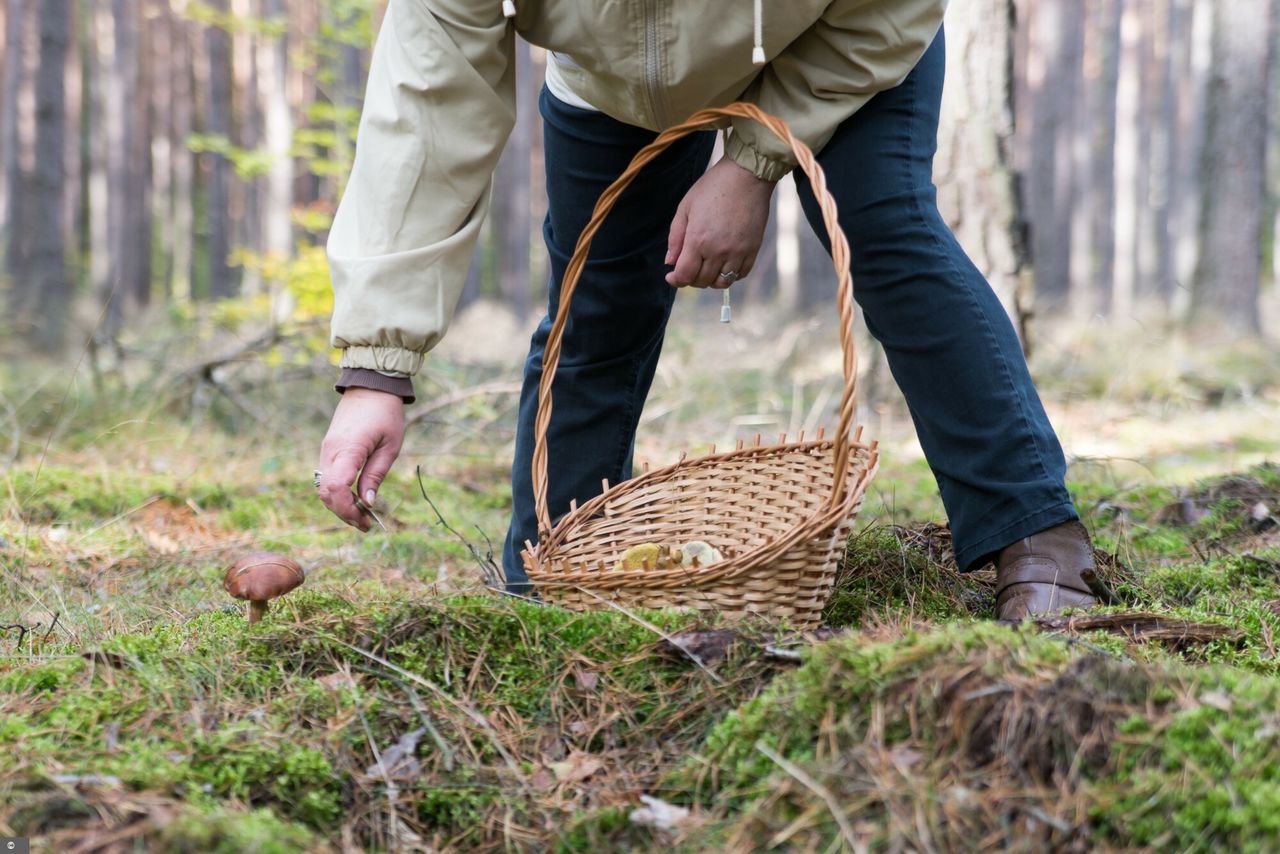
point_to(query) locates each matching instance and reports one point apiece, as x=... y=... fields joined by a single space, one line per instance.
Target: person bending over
x=859 y=81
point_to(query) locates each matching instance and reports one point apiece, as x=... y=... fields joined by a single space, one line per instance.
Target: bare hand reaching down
x=363 y=441
x=718 y=227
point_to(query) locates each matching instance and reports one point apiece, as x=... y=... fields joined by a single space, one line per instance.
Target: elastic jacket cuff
x=389 y=360
x=365 y=378
x=761 y=165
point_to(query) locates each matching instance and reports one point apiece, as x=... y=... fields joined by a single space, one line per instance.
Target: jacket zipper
x=653 y=63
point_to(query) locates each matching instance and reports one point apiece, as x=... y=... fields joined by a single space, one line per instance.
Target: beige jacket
x=441 y=103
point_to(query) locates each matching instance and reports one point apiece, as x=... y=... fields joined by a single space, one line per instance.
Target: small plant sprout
x=260 y=577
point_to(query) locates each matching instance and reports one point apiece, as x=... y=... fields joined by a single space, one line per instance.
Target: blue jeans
x=949 y=343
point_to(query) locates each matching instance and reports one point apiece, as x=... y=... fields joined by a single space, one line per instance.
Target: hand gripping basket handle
x=573 y=273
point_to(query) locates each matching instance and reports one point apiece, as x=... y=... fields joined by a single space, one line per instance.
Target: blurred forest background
x=183 y=158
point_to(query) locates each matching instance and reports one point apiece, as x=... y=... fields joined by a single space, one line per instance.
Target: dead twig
x=1140 y=626
x=1100 y=588
x=425 y=411
x=493 y=575
x=473 y=714
x=833 y=805
x=672 y=640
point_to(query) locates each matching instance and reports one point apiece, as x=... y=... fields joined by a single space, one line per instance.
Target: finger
x=709 y=273
x=675 y=239
x=687 y=267
x=738 y=265
x=748 y=264
x=375 y=471
x=336 y=480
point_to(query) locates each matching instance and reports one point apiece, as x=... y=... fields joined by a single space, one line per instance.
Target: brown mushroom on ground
x=260 y=577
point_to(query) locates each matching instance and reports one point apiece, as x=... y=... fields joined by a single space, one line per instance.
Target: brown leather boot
x=1040 y=574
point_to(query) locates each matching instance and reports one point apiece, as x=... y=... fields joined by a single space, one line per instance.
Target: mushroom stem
x=257 y=609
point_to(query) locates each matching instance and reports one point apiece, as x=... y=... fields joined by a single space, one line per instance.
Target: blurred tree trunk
x=243 y=199
x=162 y=142
x=1055 y=42
x=47 y=285
x=102 y=259
x=817 y=277
x=973 y=169
x=184 y=164
x=763 y=289
x=1192 y=61
x=1093 y=237
x=16 y=82
x=1164 y=36
x=139 y=237
x=1127 y=161
x=277 y=138
x=1229 y=270
x=513 y=228
x=217 y=168
x=128 y=165
x=74 y=223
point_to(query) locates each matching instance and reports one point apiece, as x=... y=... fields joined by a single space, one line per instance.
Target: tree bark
x=217 y=122
x=273 y=97
x=102 y=259
x=977 y=189
x=12 y=120
x=1093 y=230
x=1052 y=66
x=1229 y=271
x=244 y=195
x=512 y=192
x=50 y=289
x=184 y=189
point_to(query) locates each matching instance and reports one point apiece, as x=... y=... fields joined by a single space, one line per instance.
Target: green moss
x=884 y=575
x=224 y=831
x=1206 y=778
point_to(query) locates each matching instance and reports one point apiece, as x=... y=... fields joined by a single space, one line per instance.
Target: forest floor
x=393 y=703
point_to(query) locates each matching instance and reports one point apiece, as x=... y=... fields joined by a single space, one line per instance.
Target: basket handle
x=573 y=273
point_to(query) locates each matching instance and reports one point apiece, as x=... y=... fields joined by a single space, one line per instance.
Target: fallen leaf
x=577 y=767
x=160 y=542
x=587 y=680
x=659 y=814
x=337 y=680
x=398 y=761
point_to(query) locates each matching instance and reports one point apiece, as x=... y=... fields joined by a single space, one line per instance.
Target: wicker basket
x=778 y=513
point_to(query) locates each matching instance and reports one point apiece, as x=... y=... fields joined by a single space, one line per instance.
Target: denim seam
x=986 y=321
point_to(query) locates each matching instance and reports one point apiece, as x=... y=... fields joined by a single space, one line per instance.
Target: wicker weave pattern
x=779 y=513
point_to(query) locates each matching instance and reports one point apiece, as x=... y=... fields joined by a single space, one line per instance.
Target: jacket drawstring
x=509 y=8
x=757 y=51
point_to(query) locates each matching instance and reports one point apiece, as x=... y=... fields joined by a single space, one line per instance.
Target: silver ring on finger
x=730 y=276
x=318 y=475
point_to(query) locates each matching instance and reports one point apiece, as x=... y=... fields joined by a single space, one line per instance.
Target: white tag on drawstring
x=726 y=311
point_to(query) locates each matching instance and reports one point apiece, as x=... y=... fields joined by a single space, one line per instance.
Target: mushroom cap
x=260 y=576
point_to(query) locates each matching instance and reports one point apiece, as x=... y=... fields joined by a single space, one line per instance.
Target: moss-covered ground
x=394 y=704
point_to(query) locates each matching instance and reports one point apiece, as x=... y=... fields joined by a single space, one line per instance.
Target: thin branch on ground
x=490 y=571
x=425 y=411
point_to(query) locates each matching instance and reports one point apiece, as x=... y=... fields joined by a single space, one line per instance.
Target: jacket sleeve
x=439 y=107
x=857 y=48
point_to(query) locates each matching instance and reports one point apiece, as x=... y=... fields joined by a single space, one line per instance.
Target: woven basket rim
x=541 y=567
